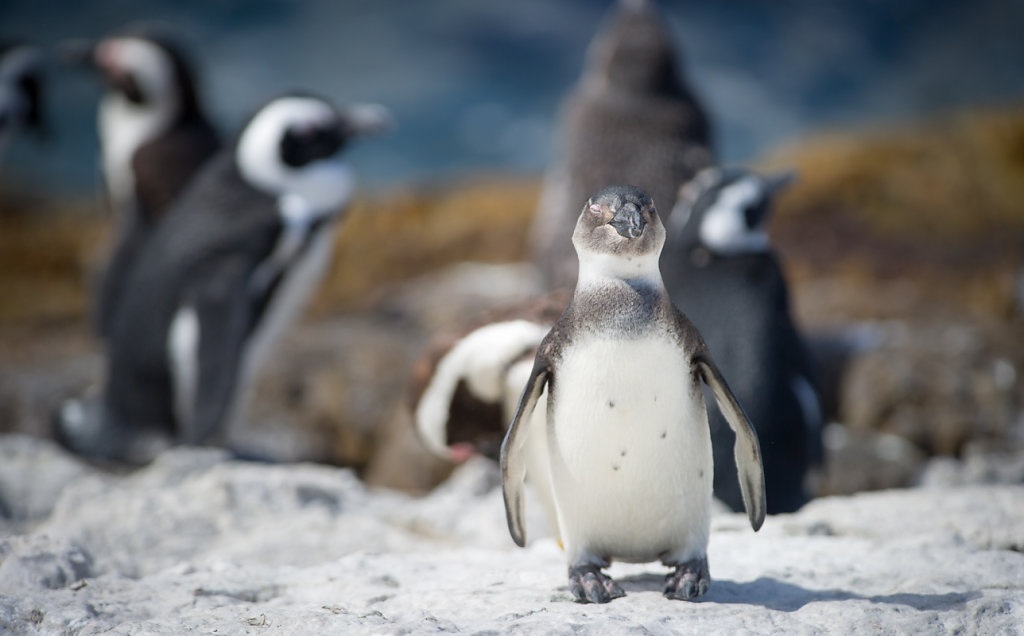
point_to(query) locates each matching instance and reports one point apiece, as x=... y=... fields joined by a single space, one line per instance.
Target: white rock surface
x=197 y=542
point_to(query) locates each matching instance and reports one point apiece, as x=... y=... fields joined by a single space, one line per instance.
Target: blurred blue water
x=475 y=85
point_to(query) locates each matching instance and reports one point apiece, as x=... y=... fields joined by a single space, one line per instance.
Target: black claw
x=589 y=585
x=690 y=580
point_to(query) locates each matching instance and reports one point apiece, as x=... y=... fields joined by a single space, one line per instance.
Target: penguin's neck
x=603 y=269
x=620 y=295
x=124 y=128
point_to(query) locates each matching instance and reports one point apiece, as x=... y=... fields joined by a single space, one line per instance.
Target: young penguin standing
x=628 y=446
x=154 y=137
x=233 y=260
x=720 y=269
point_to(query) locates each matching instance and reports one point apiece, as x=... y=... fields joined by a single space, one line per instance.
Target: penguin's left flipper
x=223 y=307
x=747 y=450
x=513 y=464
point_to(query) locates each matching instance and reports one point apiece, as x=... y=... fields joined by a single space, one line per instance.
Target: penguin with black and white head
x=231 y=264
x=627 y=444
x=720 y=268
x=154 y=137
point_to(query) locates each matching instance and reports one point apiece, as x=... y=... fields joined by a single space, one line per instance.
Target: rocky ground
x=198 y=542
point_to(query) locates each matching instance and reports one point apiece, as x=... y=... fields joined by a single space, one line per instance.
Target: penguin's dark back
x=654 y=143
x=219 y=217
x=164 y=167
x=741 y=307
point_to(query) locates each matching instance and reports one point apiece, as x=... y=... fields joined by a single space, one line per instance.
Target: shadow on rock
x=787 y=597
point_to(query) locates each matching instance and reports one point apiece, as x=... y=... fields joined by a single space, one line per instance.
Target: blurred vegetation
x=395 y=236
x=47 y=252
x=939 y=203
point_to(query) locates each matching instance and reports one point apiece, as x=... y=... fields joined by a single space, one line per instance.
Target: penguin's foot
x=690 y=580
x=589 y=585
x=82 y=427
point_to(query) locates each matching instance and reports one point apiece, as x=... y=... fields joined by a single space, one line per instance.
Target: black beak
x=757 y=215
x=36 y=119
x=775 y=183
x=365 y=119
x=628 y=221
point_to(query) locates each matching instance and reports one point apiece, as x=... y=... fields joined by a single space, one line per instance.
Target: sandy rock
x=859 y=460
x=982 y=463
x=33 y=473
x=199 y=542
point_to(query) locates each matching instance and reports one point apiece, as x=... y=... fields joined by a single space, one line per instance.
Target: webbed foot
x=589 y=585
x=690 y=580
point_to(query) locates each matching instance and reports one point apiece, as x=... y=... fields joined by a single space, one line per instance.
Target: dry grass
x=940 y=204
x=396 y=236
x=956 y=179
x=48 y=253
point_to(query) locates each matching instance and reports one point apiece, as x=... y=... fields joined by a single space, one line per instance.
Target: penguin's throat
x=602 y=269
x=124 y=128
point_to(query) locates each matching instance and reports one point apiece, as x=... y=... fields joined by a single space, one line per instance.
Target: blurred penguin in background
x=21 y=92
x=232 y=262
x=719 y=267
x=630 y=119
x=467 y=383
x=154 y=137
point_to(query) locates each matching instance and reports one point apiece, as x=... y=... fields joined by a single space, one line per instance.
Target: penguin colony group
x=662 y=355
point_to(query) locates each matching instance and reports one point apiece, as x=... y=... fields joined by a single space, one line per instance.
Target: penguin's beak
x=365 y=119
x=36 y=117
x=775 y=183
x=628 y=221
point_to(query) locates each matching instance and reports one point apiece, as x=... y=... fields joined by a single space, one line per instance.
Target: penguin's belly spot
x=630 y=449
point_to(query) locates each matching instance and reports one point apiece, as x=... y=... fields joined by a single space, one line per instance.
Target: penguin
x=154 y=137
x=466 y=384
x=719 y=266
x=21 y=92
x=630 y=119
x=628 y=448
x=229 y=266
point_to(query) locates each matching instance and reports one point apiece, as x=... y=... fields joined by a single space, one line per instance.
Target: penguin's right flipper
x=513 y=464
x=747 y=450
x=223 y=308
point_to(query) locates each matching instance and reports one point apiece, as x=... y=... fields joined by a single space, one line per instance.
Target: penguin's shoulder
x=684 y=333
x=164 y=166
x=218 y=216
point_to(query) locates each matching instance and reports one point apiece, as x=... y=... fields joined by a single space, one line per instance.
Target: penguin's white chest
x=124 y=128
x=630 y=451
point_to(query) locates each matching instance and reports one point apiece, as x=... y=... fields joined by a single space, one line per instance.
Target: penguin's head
x=292 y=148
x=634 y=51
x=144 y=66
x=724 y=211
x=21 y=87
x=619 y=230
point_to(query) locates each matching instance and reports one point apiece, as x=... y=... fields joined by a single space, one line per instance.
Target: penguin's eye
x=594 y=208
x=304 y=144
